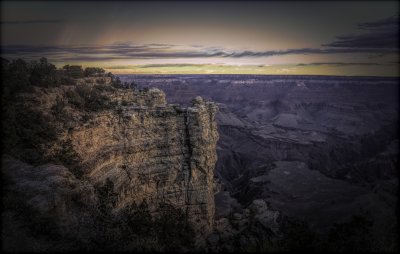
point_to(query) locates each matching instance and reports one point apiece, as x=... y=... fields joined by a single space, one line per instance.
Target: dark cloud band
x=34 y=21
x=380 y=34
x=343 y=64
x=126 y=52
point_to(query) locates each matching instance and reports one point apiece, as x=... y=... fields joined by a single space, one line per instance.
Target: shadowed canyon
x=320 y=149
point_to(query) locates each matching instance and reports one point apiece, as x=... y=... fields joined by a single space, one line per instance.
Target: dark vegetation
x=134 y=228
x=20 y=76
x=169 y=229
x=354 y=235
x=90 y=99
x=26 y=131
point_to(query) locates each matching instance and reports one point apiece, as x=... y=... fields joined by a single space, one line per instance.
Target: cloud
x=286 y=70
x=33 y=21
x=166 y=65
x=306 y=51
x=342 y=64
x=112 y=51
x=124 y=51
x=387 y=24
x=382 y=34
x=172 y=65
x=380 y=39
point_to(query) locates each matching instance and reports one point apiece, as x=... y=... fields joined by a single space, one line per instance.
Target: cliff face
x=154 y=152
x=151 y=151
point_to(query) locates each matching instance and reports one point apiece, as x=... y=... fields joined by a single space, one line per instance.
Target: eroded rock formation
x=151 y=151
x=154 y=152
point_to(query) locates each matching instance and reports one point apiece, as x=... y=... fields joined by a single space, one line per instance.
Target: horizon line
x=242 y=74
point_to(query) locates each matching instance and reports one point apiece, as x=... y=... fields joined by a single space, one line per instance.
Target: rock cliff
x=149 y=150
x=154 y=152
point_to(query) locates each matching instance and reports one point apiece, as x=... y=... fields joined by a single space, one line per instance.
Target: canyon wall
x=152 y=152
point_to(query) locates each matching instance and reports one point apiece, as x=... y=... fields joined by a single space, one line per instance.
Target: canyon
x=252 y=162
x=318 y=149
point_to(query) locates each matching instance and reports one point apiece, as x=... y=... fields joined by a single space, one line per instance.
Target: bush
x=75 y=99
x=73 y=71
x=20 y=76
x=94 y=100
x=44 y=74
x=67 y=156
x=58 y=109
x=15 y=78
x=89 y=98
x=138 y=220
x=67 y=81
x=173 y=228
x=298 y=236
x=26 y=133
x=133 y=85
x=34 y=222
x=93 y=72
x=102 y=88
x=354 y=235
x=116 y=82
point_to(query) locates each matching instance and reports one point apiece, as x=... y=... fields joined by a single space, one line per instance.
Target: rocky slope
x=49 y=200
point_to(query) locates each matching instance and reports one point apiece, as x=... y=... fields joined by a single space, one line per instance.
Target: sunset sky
x=316 y=38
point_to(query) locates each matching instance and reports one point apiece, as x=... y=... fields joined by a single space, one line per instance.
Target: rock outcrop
x=245 y=228
x=154 y=152
x=149 y=150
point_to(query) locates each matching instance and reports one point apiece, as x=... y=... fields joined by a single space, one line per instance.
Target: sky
x=240 y=37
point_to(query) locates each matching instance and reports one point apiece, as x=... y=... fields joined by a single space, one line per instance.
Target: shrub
x=44 y=74
x=107 y=196
x=65 y=80
x=116 y=82
x=354 y=235
x=102 y=88
x=73 y=71
x=26 y=133
x=89 y=98
x=93 y=71
x=298 y=236
x=173 y=228
x=138 y=220
x=75 y=99
x=67 y=156
x=58 y=108
x=15 y=78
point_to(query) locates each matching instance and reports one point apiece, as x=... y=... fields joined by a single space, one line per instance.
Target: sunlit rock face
x=150 y=150
x=154 y=152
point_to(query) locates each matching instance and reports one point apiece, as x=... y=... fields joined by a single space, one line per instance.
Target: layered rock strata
x=151 y=151
x=156 y=153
